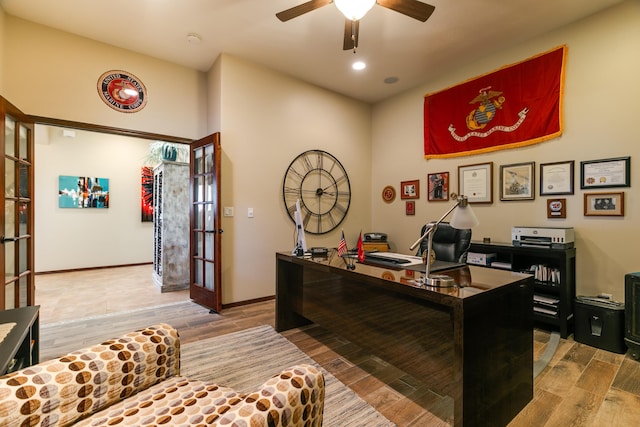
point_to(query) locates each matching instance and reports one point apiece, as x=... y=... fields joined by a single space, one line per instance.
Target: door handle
x=8 y=239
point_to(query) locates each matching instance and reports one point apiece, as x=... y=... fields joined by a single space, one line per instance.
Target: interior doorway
x=78 y=245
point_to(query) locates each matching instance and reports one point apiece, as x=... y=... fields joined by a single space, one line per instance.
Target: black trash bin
x=600 y=323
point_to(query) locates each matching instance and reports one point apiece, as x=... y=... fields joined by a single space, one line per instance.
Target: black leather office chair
x=449 y=244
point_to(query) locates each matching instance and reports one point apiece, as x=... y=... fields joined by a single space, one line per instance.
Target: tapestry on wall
x=517 y=105
x=146 y=197
x=83 y=192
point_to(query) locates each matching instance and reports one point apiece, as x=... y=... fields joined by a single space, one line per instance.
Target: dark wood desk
x=471 y=344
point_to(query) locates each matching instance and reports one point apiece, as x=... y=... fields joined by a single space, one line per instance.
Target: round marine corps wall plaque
x=122 y=91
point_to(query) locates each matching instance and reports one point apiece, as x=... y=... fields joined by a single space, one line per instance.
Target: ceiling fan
x=354 y=10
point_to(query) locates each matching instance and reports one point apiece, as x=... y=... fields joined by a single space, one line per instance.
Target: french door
x=206 y=285
x=16 y=220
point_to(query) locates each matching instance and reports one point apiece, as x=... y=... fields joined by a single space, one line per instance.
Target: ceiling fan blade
x=351 y=30
x=412 y=8
x=301 y=9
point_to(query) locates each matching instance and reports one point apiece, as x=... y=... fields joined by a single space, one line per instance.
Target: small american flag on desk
x=342 y=246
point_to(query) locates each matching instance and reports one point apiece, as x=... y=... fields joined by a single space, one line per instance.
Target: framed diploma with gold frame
x=476 y=182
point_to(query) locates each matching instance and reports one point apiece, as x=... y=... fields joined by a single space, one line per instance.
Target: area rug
x=60 y=338
x=244 y=360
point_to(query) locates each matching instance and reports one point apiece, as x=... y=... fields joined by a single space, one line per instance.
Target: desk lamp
x=462 y=218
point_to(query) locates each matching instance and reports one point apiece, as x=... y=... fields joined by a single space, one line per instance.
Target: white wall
x=55 y=74
x=601 y=92
x=82 y=238
x=268 y=119
x=2 y=48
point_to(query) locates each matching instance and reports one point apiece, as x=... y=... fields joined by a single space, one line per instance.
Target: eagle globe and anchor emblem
x=490 y=101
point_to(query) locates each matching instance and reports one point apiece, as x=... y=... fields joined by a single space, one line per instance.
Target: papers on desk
x=391 y=257
x=5 y=328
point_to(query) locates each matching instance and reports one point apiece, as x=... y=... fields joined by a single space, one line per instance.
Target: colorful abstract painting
x=83 y=192
x=146 y=197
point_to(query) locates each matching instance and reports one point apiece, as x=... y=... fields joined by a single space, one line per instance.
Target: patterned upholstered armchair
x=134 y=381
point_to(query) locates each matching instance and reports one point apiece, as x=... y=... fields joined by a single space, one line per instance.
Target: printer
x=543 y=237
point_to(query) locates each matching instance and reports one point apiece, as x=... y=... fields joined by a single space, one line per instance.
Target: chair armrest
x=295 y=398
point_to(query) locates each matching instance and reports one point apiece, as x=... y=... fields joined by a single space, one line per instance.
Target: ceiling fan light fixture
x=354 y=9
x=358 y=65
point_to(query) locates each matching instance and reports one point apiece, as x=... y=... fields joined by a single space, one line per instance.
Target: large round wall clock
x=320 y=182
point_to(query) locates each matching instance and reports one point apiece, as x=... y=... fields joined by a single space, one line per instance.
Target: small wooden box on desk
x=375 y=246
x=554 y=274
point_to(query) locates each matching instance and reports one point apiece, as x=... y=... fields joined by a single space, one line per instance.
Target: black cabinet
x=20 y=346
x=554 y=271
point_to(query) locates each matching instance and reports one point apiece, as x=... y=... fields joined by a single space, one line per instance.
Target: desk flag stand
x=343 y=252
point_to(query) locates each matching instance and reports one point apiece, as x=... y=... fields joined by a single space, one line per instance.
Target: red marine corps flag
x=517 y=105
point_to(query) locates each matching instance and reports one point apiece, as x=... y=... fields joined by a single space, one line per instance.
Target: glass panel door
x=206 y=286
x=16 y=249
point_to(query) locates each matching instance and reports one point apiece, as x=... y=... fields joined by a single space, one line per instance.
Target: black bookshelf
x=555 y=279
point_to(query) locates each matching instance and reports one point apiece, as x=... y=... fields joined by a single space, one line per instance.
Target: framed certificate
x=556 y=178
x=476 y=182
x=606 y=173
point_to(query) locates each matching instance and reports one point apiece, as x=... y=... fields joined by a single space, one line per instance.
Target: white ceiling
x=309 y=47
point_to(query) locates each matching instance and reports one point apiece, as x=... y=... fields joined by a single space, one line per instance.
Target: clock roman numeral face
x=320 y=182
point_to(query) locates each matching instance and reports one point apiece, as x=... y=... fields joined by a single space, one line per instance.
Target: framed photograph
x=517 y=181
x=606 y=173
x=476 y=182
x=604 y=204
x=557 y=208
x=410 y=189
x=410 y=208
x=438 y=185
x=556 y=178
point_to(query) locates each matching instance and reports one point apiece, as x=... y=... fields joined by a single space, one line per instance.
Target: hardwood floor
x=581 y=386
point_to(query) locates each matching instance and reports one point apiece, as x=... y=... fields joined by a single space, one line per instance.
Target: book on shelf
x=544 y=273
x=547 y=311
x=545 y=299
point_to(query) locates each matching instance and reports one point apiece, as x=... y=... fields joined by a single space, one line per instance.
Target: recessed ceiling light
x=359 y=65
x=391 y=80
x=194 y=38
